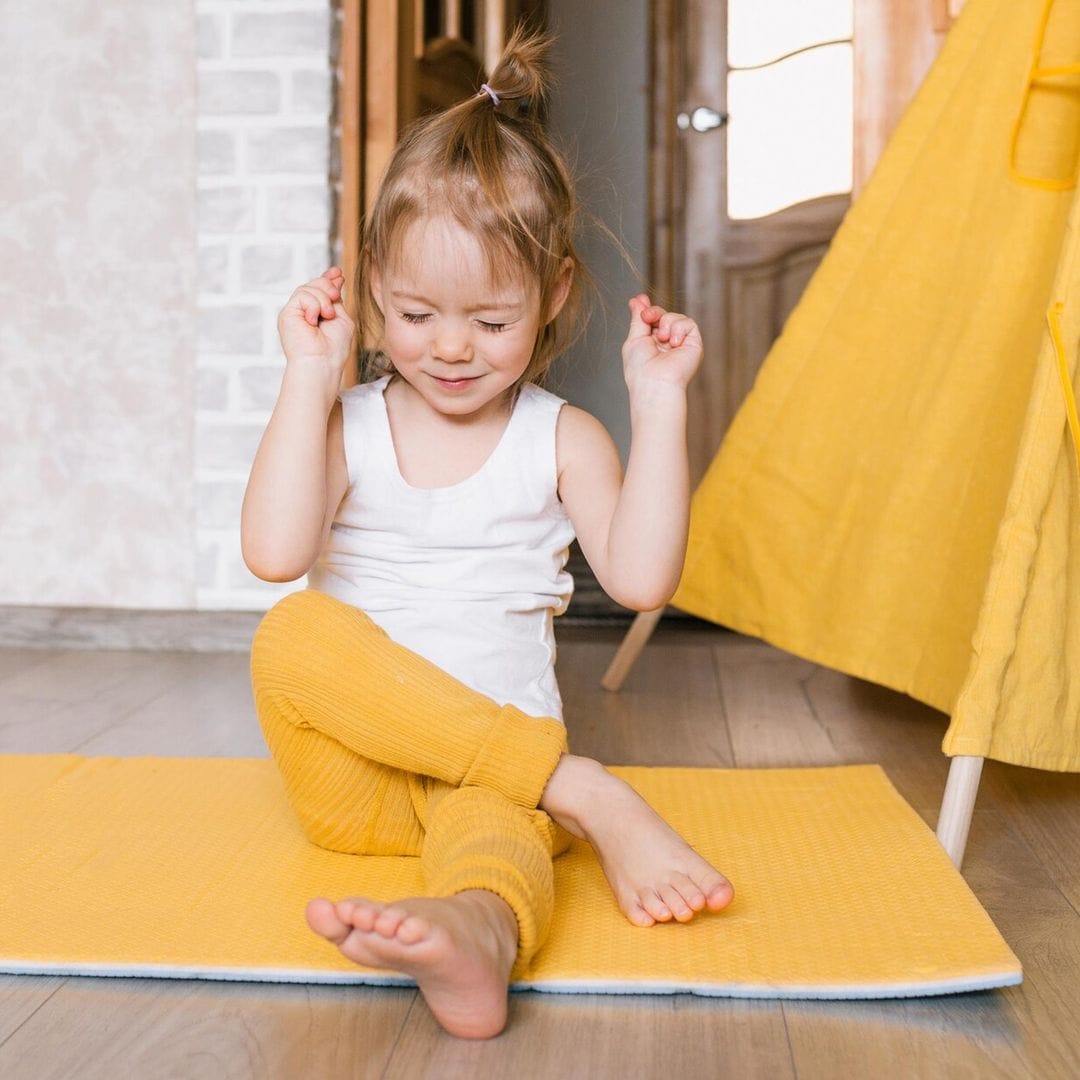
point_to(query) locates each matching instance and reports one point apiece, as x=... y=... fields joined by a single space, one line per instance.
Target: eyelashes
x=415 y=318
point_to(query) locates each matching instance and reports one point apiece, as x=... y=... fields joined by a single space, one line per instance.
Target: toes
x=652 y=902
x=389 y=920
x=689 y=891
x=675 y=903
x=413 y=929
x=322 y=917
x=638 y=915
x=718 y=891
x=359 y=914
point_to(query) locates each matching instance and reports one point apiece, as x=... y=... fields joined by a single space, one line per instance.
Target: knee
x=305 y=637
x=279 y=640
x=292 y=613
x=291 y=627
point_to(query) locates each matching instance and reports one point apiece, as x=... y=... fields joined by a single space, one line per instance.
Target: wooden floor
x=698 y=696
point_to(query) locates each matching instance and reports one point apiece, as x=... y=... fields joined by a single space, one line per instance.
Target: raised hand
x=662 y=346
x=314 y=326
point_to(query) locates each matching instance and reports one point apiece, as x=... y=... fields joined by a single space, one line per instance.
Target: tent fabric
x=898 y=497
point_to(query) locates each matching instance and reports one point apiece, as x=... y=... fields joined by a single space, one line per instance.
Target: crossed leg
x=383 y=753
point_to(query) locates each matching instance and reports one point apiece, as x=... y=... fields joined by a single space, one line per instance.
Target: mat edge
x=1009 y=977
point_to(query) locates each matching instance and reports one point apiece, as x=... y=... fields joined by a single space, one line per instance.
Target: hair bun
x=521 y=76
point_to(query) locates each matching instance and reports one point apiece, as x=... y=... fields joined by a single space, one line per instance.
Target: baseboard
x=32 y=627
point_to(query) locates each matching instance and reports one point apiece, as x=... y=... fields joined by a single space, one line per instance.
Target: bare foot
x=654 y=873
x=459 y=949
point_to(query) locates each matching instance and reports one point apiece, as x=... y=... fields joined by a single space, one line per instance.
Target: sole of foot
x=459 y=949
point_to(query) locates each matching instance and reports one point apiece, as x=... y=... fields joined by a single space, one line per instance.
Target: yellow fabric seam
x=1052 y=72
x=1042 y=183
x=1053 y=317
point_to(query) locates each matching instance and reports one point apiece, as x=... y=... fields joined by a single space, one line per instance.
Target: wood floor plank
x=1045 y=810
x=130 y=703
x=868 y=723
x=150 y=1029
x=556 y=1037
x=966 y=1038
x=670 y=713
x=16 y=661
x=205 y=709
x=771 y=721
x=21 y=997
x=1036 y=918
x=58 y=705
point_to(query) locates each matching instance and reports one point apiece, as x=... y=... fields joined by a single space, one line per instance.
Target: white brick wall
x=264 y=225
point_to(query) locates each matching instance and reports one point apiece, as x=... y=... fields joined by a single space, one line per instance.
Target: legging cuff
x=477 y=840
x=518 y=757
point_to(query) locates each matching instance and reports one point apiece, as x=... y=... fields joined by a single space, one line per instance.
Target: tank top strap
x=366 y=431
x=531 y=450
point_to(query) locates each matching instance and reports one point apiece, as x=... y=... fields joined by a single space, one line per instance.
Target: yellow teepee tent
x=898 y=497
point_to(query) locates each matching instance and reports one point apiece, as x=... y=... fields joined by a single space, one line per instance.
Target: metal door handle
x=701 y=119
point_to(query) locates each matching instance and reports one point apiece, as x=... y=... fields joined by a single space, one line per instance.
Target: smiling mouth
x=455 y=384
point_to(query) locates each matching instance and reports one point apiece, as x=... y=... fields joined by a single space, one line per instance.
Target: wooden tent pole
x=636 y=639
x=957 y=805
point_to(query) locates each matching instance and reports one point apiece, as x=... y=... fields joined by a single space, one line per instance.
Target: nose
x=452 y=342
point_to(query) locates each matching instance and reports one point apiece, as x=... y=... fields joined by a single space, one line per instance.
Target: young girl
x=408 y=695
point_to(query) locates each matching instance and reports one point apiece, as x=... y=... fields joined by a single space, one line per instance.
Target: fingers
x=669 y=328
x=317 y=298
x=639 y=325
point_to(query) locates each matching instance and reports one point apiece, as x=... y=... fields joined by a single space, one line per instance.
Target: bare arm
x=299 y=475
x=633 y=530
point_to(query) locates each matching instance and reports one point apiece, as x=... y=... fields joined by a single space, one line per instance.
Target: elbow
x=644 y=602
x=640 y=597
x=274 y=566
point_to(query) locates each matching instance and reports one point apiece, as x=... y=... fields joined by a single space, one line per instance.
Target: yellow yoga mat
x=195 y=868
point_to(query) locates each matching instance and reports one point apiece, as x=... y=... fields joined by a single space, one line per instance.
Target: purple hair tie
x=485 y=89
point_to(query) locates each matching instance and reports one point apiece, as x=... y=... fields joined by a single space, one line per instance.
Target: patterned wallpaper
x=97 y=270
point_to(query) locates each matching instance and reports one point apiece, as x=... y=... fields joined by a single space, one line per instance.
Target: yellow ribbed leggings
x=383 y=753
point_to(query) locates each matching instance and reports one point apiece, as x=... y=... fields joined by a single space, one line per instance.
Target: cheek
x=512 y=348
x=402 y=338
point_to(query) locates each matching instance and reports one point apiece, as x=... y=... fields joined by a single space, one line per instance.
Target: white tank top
x=469 y=576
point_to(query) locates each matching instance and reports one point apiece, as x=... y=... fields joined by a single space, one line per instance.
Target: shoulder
x=537 y=401
x=363 y=392
x=581 y=440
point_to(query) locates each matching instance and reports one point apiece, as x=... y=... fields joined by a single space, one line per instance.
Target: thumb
x=639 y=328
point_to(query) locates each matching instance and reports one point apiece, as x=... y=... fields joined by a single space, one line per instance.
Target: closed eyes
x=418 y=317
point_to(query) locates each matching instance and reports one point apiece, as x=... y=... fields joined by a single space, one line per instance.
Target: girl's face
x=459 y=339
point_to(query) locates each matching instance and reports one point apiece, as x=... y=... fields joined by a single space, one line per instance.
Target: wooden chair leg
x=636 y=639
x=957 y=806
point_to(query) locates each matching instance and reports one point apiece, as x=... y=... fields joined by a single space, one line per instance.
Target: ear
x=561 y=290
x=375 y=288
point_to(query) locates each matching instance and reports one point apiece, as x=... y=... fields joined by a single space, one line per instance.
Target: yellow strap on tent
x=1035 y=73
x=1053 y=317
x=1050 y=72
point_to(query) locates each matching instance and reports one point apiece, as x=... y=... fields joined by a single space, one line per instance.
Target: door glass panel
x=790 y=131
x=762 y=30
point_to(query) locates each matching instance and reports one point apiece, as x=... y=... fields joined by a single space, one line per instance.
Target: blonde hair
x=488 y=165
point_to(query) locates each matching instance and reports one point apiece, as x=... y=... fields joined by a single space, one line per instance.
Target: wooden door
x=738 y=272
